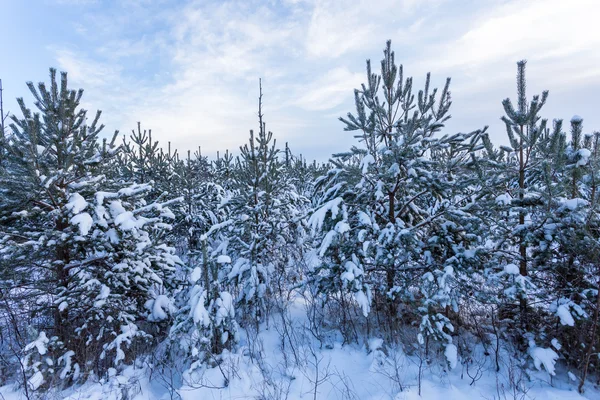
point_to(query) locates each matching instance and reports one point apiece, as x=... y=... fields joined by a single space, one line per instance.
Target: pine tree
x=534 y=202
x=265 y=207
x=224 y=170
x=386 y=207
x=86 y=251
x=205 y=324
x=523 y=194
x=525 y=132
x=143 y=160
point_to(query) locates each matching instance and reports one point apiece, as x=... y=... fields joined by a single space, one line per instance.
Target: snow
x=366 y=161
x=113 y=236
x=216 y=227
x=63 y=306
x=583 y=156
x=451 y=354
x=36 y=380
x=128 y=332
x=342 y=227
x=327 y=240
x=195 y=275
x=222 y=259
x=104 y=292
x=576 y=119
x=565 y=315
x=511 y=269
x=198 y=310
x=363 y=218
x=40 y=344
x=161 y=307
x=76 y=203
x=503 y=200
x=375 y=344
x=317 y=219
x=394 y=169
x=573 y=204
x=352 y=271
x=363 y=301
x=346 y=371
x=167 y=213
x=379 y=192
x=127 y=221
x=542 y=356
x=66 y=359
x=116 y=208
x=84 y=222
x=572 y=376
x=134 y=189
x=225 y=307
x=556 y=344
x=21 y=214
x=102 y=296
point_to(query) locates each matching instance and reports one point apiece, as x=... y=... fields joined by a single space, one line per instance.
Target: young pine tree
x=86 y=254
x=266 y=210
x=389 y=210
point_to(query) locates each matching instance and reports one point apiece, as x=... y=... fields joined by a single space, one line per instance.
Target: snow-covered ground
x=259 y=369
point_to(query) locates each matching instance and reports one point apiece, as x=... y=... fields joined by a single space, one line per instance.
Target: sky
x=189 y=70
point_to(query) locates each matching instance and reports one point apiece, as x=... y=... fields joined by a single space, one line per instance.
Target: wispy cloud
x=329 y=90
x=190 y=71
x=540 y=30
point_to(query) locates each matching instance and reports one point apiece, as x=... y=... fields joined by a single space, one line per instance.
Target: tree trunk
x=62 y=277
x=522 y=245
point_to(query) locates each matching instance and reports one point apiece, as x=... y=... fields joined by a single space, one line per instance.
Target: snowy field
x=261 y=369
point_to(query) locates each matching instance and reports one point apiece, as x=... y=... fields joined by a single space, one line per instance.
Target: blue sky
x=189 y=70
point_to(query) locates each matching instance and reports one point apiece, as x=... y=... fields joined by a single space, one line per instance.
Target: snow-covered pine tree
x=143 y=160
x=566 y=247
x=224 y=169
x=389 y=210
x=205 y=322
x=302 y=174
x=585 y=289
x=266 y=211
x=524 y=191
x=525 y=133
x=86 y=253
x=539 y=271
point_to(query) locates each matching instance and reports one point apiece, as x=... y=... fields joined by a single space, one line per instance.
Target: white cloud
x=335 y=29
x=329 y=90
x=338 y=27
x=104 y=87
x=535 y=29
x=80 y=69
x=190 y=71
